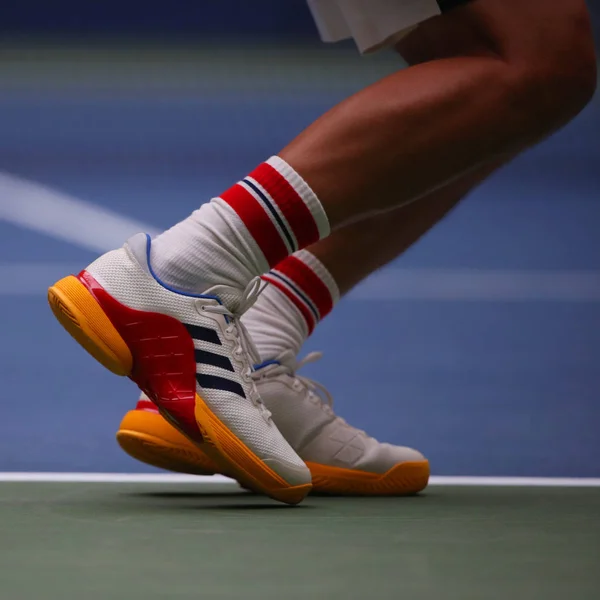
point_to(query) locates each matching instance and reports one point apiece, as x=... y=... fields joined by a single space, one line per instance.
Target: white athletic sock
x=300 y=293
x=241 y=234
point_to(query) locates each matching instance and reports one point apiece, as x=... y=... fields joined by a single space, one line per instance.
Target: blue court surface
x=480 y=346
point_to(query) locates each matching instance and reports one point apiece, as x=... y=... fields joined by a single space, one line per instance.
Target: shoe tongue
x=230 y=297
x=288 y=359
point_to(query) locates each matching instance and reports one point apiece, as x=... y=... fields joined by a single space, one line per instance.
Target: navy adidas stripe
x=210 y=358
x=203 y=333
x=307 y=300
x=274 y=212
x=213 y=382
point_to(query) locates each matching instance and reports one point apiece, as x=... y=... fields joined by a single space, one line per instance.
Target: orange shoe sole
x=148 y=437
x=403 y=479
x=115 y=335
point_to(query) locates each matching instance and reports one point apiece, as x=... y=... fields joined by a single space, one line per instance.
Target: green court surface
x=138 y=540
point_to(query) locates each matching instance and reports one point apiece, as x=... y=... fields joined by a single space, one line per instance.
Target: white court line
x=169 y=478
x=447 y=285
x=111 y=478
x=41 y=209
x=517 y=481
x=33 y=279
x=481 y=285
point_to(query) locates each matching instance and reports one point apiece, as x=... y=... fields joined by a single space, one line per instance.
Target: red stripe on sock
x=258 y=223
x=304 y=311
x=290 y=203
x=309 y=282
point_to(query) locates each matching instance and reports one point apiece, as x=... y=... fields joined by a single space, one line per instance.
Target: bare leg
x=531 y=70
x=355 y=251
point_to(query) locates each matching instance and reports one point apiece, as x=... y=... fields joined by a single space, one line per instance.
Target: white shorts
x=373 y=24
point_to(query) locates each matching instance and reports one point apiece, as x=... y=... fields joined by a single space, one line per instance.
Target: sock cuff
x=302 y=188
x=310 y=260
x=277 y=209
x=305 y=281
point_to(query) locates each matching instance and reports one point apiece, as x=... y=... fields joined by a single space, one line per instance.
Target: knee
x=568 y=81
x=560 y=81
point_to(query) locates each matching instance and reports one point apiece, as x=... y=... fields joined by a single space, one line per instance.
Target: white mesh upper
x=296 y=417
x=210 y=347
x=319 y=436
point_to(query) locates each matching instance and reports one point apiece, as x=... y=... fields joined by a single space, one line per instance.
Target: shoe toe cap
x=384 y=457
x=293 y=473
x=405 y=454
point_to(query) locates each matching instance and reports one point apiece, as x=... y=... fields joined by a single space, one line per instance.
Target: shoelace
x=288 y=365
x=240 y=332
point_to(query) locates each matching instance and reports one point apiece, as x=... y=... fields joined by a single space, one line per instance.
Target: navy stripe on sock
x=276 y=216
x=210 y=358
x=298 y=291
x=213 y=382
x=203 y=333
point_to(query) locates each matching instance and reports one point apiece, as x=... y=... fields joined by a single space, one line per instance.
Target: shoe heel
x=83 y=318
